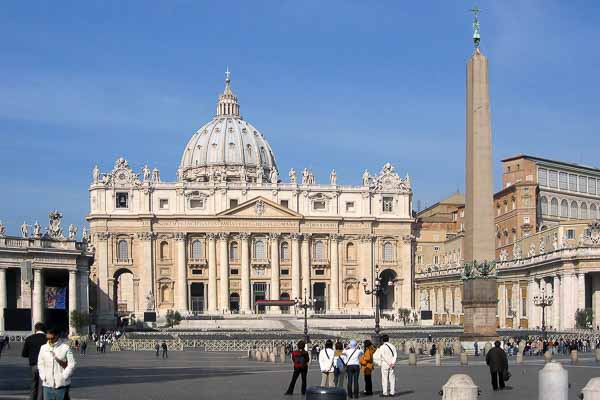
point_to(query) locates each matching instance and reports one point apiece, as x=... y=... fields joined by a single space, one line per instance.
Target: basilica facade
x=229 y=231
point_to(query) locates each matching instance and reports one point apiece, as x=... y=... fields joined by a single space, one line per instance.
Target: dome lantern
x=228 y=103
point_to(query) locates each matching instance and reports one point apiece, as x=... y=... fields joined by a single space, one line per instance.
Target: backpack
x=299 y=359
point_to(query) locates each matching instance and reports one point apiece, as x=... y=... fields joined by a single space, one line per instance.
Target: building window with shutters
x=122 y=251
x=196 y=250
x=388 y=251
x=285 y=251
x=259 y=250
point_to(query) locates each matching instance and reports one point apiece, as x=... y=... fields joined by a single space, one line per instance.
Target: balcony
x=320 y=263
x=197 y=262
x=260 y=261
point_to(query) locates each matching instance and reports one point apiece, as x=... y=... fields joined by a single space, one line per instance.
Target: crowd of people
x=342 y=364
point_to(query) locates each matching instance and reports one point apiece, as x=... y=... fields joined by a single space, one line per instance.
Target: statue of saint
x=84 y=235
x=274 y=175
x=292 y=176
x=37 y=230
x=305 y=176
x=260 y=172
x=333 y=177
x=150 y=301
x=155 y=175
x=2 y=229
x=146 y=173
x=24 y=229
x=243 y=177
x=365 y=178
x=72 y=232
x=95 y=174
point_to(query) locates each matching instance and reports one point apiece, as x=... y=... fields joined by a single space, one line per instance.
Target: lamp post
x=304 y=304
x=378 y=290
x=543 y=301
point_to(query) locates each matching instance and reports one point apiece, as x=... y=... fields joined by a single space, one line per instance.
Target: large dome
x=228 y=148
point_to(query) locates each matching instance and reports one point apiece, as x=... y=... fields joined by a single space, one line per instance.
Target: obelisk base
x=480 y=300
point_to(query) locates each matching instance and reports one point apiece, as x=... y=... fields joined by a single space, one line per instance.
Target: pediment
x=259 y=207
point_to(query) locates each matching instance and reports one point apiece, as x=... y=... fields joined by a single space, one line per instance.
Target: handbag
x=506 y=375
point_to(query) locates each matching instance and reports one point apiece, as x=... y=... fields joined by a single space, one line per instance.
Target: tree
x=583 y=318
x=79 y=320
x=404 y=314
x=173 y=318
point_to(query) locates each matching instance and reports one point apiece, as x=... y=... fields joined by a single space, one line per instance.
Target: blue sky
x=332 y=84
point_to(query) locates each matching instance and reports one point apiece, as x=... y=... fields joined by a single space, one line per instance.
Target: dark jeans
x=164 y=354
x=368 y=384
x=36 y=386
x=497 y=377
x=353 y=374
x=298 y=371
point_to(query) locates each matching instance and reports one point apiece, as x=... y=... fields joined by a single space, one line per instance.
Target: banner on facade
x=56 y=297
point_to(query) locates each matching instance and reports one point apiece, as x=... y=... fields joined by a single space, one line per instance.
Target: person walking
x=386 y=356
x=326 y=363
x=157 y=348
x=497 y=360
x=366 y=364
x=476 y=348
x=31 y=351
x=352 y=355
x=83 y=347
x=56 y=365
x=300 y=359
x=339 y=371
x=164 y=349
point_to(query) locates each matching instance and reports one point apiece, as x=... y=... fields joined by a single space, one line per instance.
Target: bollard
x=574 y=357
x=438 y=359
x=488 y=346
x=459 y=387
x=457 y=348
x=253 y=355
x=519 y=358
x=249 y=354
x=553 y=382
x=273 y=357
x=591 y=391
x=521 y=346
x=321 y=393
x=548 y=356
x=412 y=359
x=597 y=353
x=464 y=359
x=419 y=348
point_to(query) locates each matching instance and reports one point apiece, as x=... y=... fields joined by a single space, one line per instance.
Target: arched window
x=259 y=250
x=285 y=251
x=554 y=207
x=196 y=249
x=249 y=152
x=593 y=212
x=263 y=154
x=233 y=251
x=319 y=250
x=544 y=205
x=583 y=212
x=574 y=210
x=350 y=252
x=123 y=250
x=564 y=209
x=388 y=251
x=164 y=251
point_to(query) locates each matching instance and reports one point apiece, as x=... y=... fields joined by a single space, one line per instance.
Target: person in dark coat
x=300 y=359
x=31 y=350
x=497 y=360
x=164 y=349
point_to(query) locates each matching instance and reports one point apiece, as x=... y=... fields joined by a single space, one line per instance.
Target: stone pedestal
x=479 y=305
x=591 y=391
x=460 y=387
x=553 y=382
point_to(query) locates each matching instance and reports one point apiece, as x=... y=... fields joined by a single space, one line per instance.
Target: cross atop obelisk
x=476 y=35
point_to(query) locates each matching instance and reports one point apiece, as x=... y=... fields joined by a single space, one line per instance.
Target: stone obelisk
x=480 y=288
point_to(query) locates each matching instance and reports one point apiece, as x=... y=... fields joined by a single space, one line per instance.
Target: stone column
x=335 y=275
x=103 y=295
x=181 y=302
x=306 y=265
x=72 y=299
x=3 y=297
x=147 y=270
x=295 y=265
x=532 y=291
x=37 y=312
x=516 y=301
x=223 y=273
x=212 y=273
x=366 y=272
x=275 y=269
x=596 y=297
x=502 y=304
x=580 y=291
x=556 y=307
x=245 y=279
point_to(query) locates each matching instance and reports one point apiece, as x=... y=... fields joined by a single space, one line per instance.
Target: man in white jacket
x=385 y=356
x=326 y=363
x=55 y=365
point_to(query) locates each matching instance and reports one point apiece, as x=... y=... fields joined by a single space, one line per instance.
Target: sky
x=347 y=84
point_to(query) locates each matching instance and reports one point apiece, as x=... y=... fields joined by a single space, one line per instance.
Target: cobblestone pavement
x=197 y=375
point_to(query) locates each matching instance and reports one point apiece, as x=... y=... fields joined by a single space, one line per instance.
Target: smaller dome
x=228 y=148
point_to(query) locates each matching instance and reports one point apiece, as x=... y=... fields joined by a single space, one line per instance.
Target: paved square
x=198 y=375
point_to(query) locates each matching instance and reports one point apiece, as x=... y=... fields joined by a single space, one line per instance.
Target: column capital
x=102 y=235
x=211 y=236
x=223 y=236
x=244 y=235
x=336 y=237
x=295 y=236
x=306 y=236
x=274 y=235
x=146 y=236
x=180 y=236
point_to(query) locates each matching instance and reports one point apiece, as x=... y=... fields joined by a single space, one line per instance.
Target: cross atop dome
x=228 y=103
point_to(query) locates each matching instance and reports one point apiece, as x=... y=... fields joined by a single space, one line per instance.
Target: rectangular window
x=553 y=179
x=163 y=204
x=570 y=233
x=122 y=200
x=543 y=177
x=436 y=248
x=419 y=259
x=233 y=203
x=436 y=260
x=235 y=272
x=349 y=206
x=319 y=272
x=583 y=184
x=318 y=205
x=197 y=203
x=196 y=272
x=525 y=220
x=563 y=181
x=285 y=203
x=572 y=182
x=388 y=204
x=591 y=186
x=285 y=272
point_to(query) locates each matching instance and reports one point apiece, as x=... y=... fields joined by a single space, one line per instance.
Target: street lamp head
x=390 y=283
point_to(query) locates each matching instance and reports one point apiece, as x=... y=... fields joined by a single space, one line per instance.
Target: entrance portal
x=387 y=301
x=260 y=293
x=197 y=297
x=320 y=301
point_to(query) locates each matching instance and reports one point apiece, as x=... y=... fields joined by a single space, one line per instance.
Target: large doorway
x=123 y=295
x=197 y=297
x=320 y=301
x=285 y=309
x=234 y=303
x=387 y=281
x=56 y=299
x=260 y=293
